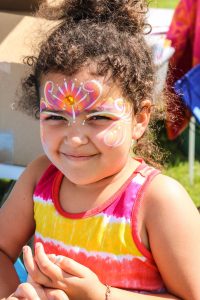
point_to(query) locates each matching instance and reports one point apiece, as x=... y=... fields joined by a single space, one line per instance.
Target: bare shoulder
x=37 y=167
x=19 y=209
x=173 y=225
x=165 y=192
x=168 y=203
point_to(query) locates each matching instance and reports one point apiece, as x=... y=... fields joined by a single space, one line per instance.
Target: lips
x=78 y=157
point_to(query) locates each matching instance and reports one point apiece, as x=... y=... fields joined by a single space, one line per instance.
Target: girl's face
x=86 y=126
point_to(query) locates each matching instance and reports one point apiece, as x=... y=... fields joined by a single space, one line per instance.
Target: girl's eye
x=56 y=118
x=99 y=118
x=53 y=119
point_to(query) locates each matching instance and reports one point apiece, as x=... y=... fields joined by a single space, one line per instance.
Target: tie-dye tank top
x=104 y=239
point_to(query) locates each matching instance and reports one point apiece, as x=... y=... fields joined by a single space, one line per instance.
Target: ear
x=141 y=120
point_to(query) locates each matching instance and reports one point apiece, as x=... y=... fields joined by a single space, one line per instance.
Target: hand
x=34 y=291
x=61 y=272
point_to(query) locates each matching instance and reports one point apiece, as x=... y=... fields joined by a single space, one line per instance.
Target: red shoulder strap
x=149 y=173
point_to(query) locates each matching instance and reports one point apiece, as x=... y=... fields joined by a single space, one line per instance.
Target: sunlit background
x=163 y=3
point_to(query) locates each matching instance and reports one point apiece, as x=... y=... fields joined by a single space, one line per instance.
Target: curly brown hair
x=110 y=33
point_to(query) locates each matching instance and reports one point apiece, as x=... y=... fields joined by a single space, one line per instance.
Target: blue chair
x=188 y=87
x=21 y=271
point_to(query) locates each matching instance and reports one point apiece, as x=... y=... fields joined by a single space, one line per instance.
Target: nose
x=75 y=136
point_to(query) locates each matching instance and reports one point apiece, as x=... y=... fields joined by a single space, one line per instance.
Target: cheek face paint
x=116 y=134
x=71 y=97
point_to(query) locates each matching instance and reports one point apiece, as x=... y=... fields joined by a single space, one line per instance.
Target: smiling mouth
x=79 y=157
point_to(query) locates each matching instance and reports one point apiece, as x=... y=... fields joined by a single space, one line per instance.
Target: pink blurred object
x=184 y=33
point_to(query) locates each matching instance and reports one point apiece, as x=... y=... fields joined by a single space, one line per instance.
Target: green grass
x=4 y=187
x=176 y=164
x=180 y=172
x=163 y=3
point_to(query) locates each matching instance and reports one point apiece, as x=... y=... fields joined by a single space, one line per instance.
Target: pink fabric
x=184 y=32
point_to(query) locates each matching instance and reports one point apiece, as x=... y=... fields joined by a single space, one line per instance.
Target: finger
x=64 y=263
x=52 y=257
x=26 y=290
x=70 y=266
x=32 y=268
x=12 y=297
x=46 y=266
x=56 y=295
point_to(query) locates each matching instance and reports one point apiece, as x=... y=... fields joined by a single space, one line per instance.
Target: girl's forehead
x=76 y=94
x=108 y=87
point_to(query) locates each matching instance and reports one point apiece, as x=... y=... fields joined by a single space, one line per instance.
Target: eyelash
x=56 y=118
x=99 y=118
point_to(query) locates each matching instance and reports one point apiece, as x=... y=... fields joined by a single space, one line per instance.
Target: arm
x=8 y=277
x=17 y=224
x=173 y=226
x=78 y=282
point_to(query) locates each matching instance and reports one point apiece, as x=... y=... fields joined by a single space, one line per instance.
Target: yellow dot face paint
x=71 y=99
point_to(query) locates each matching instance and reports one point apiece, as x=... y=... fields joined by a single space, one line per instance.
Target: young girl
x=112 y=226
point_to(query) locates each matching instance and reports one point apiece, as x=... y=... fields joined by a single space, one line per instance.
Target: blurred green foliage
x=4 y=188
x=180 y=172
x=176 y=164
x=163 y=3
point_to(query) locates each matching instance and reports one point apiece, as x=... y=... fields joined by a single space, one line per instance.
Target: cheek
x=115 y=135
x=42 y=134
x=46 y=136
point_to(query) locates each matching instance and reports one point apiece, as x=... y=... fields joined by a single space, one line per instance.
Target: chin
x=81 y=181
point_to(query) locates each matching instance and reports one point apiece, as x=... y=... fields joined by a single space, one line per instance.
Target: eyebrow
x=98 y=109
x=88 y=111
x=52 y=111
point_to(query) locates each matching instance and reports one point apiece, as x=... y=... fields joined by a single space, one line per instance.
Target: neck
x=118 y=177
x=86 y=197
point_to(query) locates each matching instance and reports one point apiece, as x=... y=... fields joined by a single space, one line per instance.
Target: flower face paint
x=70 y=97
x=87 y=98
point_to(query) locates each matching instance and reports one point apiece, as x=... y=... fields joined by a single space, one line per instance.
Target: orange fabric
x=184 y=32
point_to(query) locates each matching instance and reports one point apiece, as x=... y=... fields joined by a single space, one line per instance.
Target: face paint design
x=71 y=98
x=116 y=134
